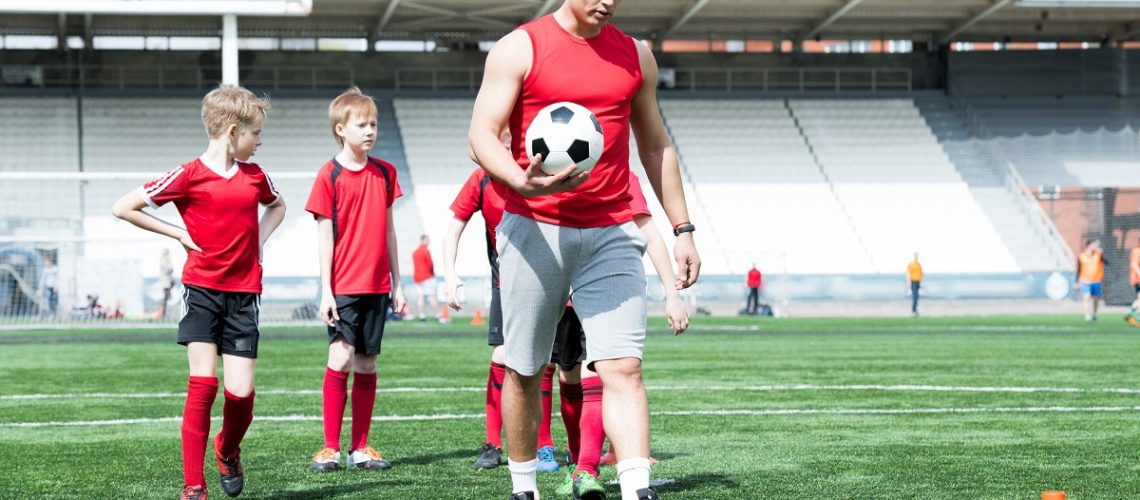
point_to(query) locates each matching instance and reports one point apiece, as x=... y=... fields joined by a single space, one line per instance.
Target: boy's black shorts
x=362 y=319
x=569 y=342
x=495 y=319
x=227 y=319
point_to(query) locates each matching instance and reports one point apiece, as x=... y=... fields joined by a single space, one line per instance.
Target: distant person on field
x=1134 y=279
x=423 y=278
x=1090 y=274
x=165 y=279
x=218 y=196
x=51 y=286
x=352 y=200
x=914 y=281
x=755 y=279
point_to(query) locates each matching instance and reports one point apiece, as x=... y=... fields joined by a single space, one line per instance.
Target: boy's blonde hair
x=348 y=103
x=231 y=104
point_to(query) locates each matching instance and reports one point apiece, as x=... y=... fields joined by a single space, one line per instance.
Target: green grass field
x=961 y=408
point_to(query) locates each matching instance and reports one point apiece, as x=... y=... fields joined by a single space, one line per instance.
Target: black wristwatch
x=684 y=228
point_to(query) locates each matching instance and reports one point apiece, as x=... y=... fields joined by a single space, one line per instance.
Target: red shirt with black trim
x=220 y=211
x=482 y=193
x=358 y=203
x=614 y=80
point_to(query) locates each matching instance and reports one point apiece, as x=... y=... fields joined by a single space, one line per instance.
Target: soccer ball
x=565 y=134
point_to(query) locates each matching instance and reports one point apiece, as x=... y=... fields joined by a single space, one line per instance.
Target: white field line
x=676 y=413
x=651 y=388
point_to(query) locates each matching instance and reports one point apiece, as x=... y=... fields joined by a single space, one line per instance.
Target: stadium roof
x=920 y=20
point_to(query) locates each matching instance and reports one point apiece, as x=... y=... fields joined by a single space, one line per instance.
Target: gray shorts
x=539 y=265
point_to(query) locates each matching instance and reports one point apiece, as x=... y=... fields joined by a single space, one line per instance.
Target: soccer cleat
x=647 y=494
x=193 y=493
x=232 y=476
x=546 y=460
x=326 y=460
x=566 y=487
x=490 y=457
x=587 y=487
x=524 y=495
x=367 y=458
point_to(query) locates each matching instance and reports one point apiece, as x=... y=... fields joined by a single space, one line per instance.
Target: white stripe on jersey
x=163 y=182
x=268 y=179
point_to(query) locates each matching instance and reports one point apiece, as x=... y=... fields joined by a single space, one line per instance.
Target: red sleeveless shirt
x=603 y=74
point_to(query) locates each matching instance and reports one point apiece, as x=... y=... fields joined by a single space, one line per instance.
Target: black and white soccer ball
x=565 y=134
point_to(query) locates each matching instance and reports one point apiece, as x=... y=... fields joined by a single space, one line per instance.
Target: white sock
x=524 y=476
x=633 y=475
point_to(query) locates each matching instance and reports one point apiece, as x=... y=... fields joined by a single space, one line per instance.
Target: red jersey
x=637 y=205
x=614 y=79
x=754 y=278
x=358 y=204
x=481 y=193
x=220 y=213
x=421 y=261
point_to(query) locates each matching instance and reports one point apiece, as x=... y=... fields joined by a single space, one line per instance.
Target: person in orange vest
x=1090 y=274
x=914 y=282
x=1134 y=277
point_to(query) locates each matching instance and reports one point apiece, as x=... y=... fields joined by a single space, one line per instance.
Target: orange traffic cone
x=478 y=319
x=1053 y=495
x=444 y=314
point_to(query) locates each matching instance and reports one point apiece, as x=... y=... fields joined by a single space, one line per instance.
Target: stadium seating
x=750 y=168
x=898 y=187
x=38 y=135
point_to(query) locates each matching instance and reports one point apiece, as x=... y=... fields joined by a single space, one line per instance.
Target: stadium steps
x=899 y=187
x=981 y=166
x=390 y=147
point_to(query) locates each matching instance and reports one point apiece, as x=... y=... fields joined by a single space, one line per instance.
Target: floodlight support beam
x=692 y=11
x=829 y=20
x=969 y=23
x=391 y=9
x=230 y=49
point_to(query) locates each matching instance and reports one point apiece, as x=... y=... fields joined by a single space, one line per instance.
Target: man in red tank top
x=563 y=233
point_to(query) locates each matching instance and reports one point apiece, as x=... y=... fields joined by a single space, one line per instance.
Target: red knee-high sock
x=363 y=399
x=571 y=396
x=544 y=438
x=593 y=433
x=237 y=413
x=335 y=393
x=200 y=394
x=494 y=426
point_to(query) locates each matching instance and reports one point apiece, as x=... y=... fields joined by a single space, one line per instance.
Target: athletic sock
x=335 y=393
x=571 y=398
x=524 y=475
x=237 y=413
x=494 y=426
x=593 y=433
x=200 y=394
x=544 y=438
x=363 y=399
x=633 y=475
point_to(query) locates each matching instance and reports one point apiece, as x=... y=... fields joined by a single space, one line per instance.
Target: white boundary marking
x=675 y=413
x=651 y=388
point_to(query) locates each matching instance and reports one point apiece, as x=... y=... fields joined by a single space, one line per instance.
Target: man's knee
x=619 y=372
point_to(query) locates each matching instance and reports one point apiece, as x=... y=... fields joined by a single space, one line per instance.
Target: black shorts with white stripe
x=227 y=319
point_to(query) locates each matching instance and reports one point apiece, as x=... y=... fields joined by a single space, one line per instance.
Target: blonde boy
x=360 y=273
x=217 y=195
